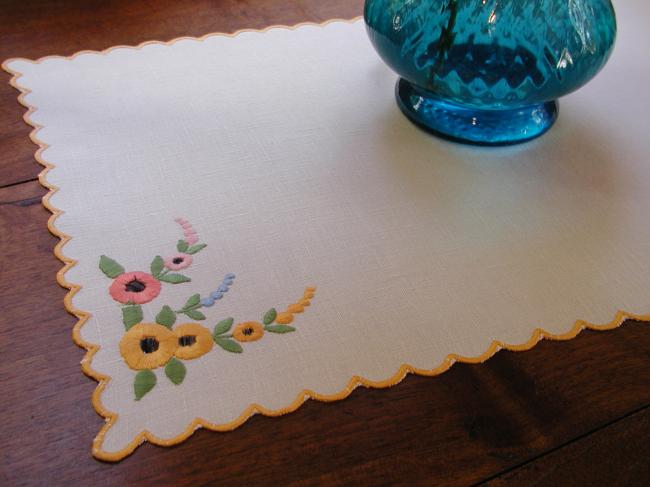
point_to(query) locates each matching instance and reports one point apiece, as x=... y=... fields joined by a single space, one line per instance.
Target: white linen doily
x=285 y=153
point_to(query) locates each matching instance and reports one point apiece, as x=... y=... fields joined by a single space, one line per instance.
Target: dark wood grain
x=552 y=409
x=616 y=456
x=464 y=426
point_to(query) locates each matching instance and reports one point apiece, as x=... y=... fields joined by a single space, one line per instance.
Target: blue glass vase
x=489 y=72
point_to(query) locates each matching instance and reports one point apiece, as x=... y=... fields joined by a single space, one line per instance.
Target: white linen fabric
x=287 y=153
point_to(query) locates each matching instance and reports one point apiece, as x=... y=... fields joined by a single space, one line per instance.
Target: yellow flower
x=194 y=340
x=284 y=318
x=147 y=346
x=249 y=331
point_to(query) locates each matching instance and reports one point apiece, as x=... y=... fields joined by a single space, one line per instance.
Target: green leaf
x=229 y=345
x=182 y=246
x=175 y=370
x=269 y=316
x=280 y=329
x=166 y=317
x=174 y=278
x=193 y=300
x=194 y=314
x=223 y=326
x=157 y=265
x=131 y=315
x=196 y=248
x=109 y=267
x=145 y=380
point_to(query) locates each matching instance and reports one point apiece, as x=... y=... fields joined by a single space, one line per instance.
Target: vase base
x=472 y=125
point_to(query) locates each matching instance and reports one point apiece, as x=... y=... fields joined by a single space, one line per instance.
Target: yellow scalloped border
x=304 y=395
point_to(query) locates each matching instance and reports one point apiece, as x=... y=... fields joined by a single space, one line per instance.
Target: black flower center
x=149 y=344
x=135 y=286
x=248 y=331
x=187 y=340
x=178 y=260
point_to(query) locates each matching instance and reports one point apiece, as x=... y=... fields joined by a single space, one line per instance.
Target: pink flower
x=178 y=261
x=135 y=287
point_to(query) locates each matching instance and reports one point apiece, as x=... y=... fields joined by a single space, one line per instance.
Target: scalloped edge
x=91 y=348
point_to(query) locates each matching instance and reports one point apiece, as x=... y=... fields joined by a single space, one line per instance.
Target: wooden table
x=569 y=413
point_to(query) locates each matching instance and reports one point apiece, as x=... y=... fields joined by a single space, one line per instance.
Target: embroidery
x=167 y=316
x=251 y=331
x=175 y=371
x=193 y=340
x=145 y=380
x=148 y=346
x=135 y=288
x=221 y=290
x=298 y=307
x=186 y=248
x=132 y=313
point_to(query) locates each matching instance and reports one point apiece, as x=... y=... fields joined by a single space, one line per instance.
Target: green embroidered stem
x=131 y=315
x=182 y=246
x=175 y=371
x=194 y=314
x=173 y=278
x=269 y=316
x=191 y=306
x=196 y=248
x=279 y=328
x=229 y=345
x=145 y=380
x=110 y=267
x=166 y=317
x=192 y=303
x=222 y=327
x=156 y=266
x=183 y=310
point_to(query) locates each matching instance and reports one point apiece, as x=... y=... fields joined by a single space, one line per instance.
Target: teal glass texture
x=489 y=71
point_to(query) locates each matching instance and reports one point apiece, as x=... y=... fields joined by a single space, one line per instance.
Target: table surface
x=563 y=413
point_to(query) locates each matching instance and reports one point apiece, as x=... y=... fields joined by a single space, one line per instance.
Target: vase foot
x=473 y=125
